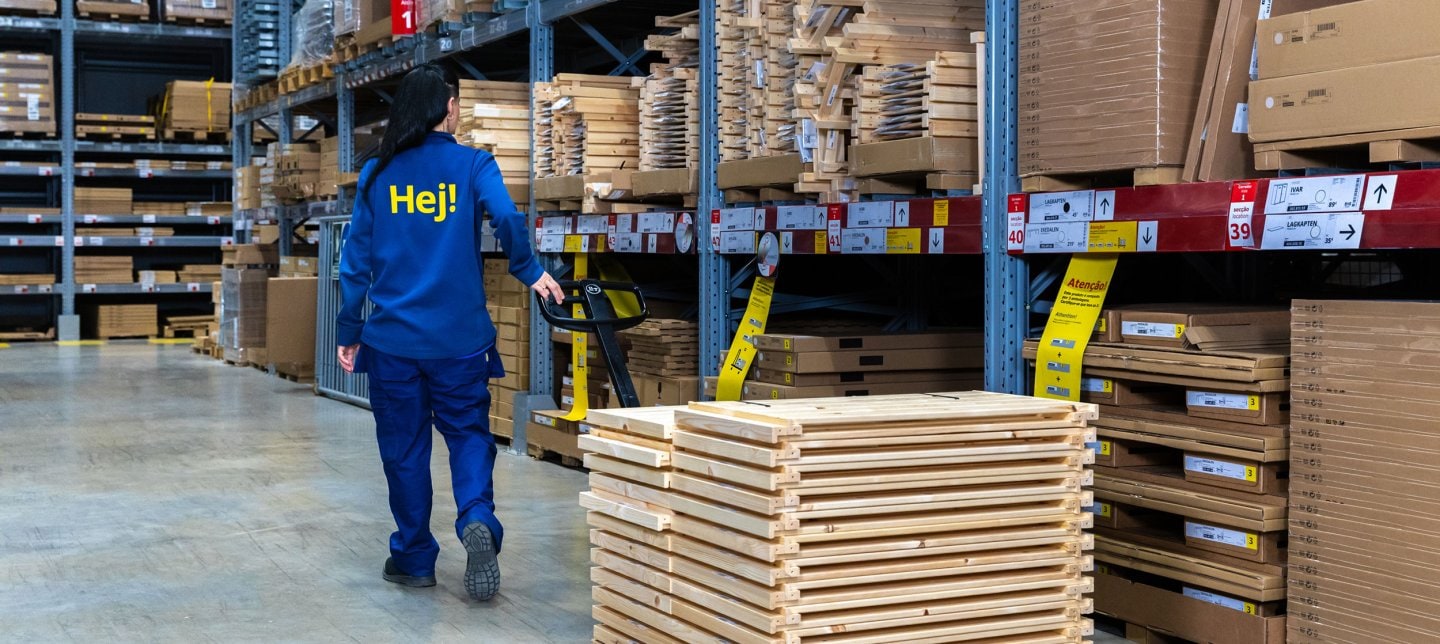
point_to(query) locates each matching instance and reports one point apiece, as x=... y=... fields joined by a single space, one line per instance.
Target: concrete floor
x=149 y=494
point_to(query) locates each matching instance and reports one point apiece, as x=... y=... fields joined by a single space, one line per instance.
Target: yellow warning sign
x=1072 y=322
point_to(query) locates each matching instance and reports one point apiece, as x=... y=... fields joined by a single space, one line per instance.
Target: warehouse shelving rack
x=63 y=35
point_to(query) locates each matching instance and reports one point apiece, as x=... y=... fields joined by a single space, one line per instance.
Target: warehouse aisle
x=147 y=493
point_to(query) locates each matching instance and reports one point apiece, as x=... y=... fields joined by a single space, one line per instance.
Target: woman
x=428 y=345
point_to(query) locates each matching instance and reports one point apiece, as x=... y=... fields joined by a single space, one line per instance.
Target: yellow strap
x=579 y=354
x=742 y=349
x=209 y=108
x=1072 y=322
x=4 y=345
x=172 y=341
x=612 y=271
x=81 y=343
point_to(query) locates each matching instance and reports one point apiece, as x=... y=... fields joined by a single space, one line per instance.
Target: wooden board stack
x=104 y=269
x=757 y=79
x=28 y=100
x=125 y=320
x=833 y=39
x=114 y=126
x=912 y=518
x=103 y=201
x=663 y=347
x=917 y=119
x=297 y=170
x=669 y=110
x=593 y=125
x=495 y=117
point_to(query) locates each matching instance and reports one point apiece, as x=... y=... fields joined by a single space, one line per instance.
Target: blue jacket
x=414 y=249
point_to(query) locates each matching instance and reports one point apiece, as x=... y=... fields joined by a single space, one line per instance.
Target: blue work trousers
x=407 y=396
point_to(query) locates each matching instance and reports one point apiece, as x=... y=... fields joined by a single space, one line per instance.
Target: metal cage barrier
x=330 y=379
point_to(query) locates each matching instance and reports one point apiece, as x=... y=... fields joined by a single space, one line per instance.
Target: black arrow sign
x=1105 y=206
x=1350 y=231
x=1147 y=237
x=1380 y=191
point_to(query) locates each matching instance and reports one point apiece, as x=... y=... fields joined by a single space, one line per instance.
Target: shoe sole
x=482 y=568
x=409 y=581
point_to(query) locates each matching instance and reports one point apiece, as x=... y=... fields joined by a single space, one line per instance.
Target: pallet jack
x=602 y=322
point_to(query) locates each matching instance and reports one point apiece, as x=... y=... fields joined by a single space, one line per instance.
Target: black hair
x=420 y=104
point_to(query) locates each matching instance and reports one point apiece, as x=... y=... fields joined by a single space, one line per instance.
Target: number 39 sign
x=402 y=17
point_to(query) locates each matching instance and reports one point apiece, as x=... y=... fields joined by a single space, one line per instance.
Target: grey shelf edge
x=135 y=173
x=25 y=290
x=143 y=32
x=30 y=171
x=159 y=147
x=86 y=220
x=178 y=241
x=143 y=289
x=31 y=145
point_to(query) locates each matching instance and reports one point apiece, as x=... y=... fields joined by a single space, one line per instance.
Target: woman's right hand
x=548 y=288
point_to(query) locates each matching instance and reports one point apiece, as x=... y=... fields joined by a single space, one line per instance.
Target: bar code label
x=1216 y=400
x=1097 y=385
x=1225 y=469
x=1152 y=329
x=1221 y=600
x=1226 y=536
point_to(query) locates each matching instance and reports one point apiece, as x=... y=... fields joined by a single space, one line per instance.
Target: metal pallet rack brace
x=115 y=35
x=1006 y=280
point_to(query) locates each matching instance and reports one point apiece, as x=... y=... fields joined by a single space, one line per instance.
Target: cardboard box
x=800 y=343
x=290 y=325
x=1235 y=473
x=1251 y=409
x=1164 y=325
x=1263 y=547
x=1345 y=101
x=265 y=234
x=1125 y=393
x=917 y=155
x=1188 y=617
x=875 y=360
x=299 y=266
x=1119 y=453
x=755 y=390
x=553 y=439
x=657 y=183
x=761 y=171
x=502 y=427
x=855 y=378
x=655 y=391
x=559 y=188
x=1347 y=35
x=243 y=300
x=251 y=255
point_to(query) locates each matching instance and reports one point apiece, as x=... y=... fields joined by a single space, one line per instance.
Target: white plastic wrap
x=313 y=39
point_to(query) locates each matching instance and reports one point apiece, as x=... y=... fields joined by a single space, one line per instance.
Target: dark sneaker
x=393 y=575
x=482 y=569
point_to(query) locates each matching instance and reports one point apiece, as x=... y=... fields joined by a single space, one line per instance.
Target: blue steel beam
x=1006 y=284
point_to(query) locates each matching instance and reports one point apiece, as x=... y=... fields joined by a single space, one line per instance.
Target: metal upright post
x=1006 y=277
x=714 y=304
x=69 y=322
x=345 y=122
x=542 y=363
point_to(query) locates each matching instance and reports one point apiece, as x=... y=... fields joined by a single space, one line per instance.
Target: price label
x=22 y=289
x=870 y=214
x=212 y=220
x=1220 y=600
x=16 y=241
x=1061 y=237
x=1318 y=194
x=1218 y=400
x=34 y=219
x=1313 y=232
x=192 y=287
x=46 y=171
x=227 y=241
x=87 y=288
x=1235 y=538
x=147 y=287
x=144 y=173
x=147 y=219
x=1215 y=467
x=800 y=218
x=147 y=241
x=1152 y=329
x=1077 y=205
x=90 y=219
x=94 y=241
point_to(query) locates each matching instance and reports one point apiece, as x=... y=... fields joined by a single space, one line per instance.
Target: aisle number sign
x=1072 y=322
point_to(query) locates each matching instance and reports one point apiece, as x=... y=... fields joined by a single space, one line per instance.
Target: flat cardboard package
x=655 y=391
x=251 y=255
x=1186 y=617
x=920 y=154
x=1125 y=393
x=1351 y=100
x=668 y=182
x=761 y=171
x=1164 y=325
x=290 y=324
x=1248 y=408
x=1347 y=35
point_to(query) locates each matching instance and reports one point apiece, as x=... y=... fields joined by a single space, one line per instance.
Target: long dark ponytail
x=420 y=104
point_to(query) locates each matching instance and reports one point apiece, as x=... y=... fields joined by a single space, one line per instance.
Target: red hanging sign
x=402 y=17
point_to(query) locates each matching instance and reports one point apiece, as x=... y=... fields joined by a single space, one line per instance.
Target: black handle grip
x=591 y=296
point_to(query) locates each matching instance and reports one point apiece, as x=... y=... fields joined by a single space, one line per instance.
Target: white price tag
x=87 y=288
x=147 y=287
x=1219 y=400
x=626 y=242
x=32 y=107
x=555 y=225
x=1220 y=600
x=552 y=243
x=22 y=289
x=623 y=224
x=147 y=241
x=60 y=241
x=654 y=222
x=1061 y=237
x=90 y=219
x=1077 y=205
x=94 y=241
x=1313 y=232
x=1380 y=192
x=1152 y=329
x=46 y=171
x=212 y=220
x=592 y=224
x=1216 y=467
x=227 y=241
x=736 y=219
x=16 y=241
x=739 y=241
x=1240 y=233
x=192 y=287
x=863 y=241
x=1226 y=536
x=800 y=218
x=870 y=214
x=144 y=173
x=147 y=219
x=34 y=219
x=1318 y=194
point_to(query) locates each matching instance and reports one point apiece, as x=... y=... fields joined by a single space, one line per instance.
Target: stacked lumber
x=27 y=279
x=104 y=269
x=125 y=320
x=196 y=325
x=28 y=7
x=1191 y=473
x=155 y=277
x=204 y=12
x=595 y=125
x=834 y=38
x=663 y=347
x=199 y=273
x=165 y=208
x=669 y=100
x=543 y=132
x=495 y=117
x=757 y=79
x=508 y=302
x=892 y=519
x=103 y=201
x=860 y=362
x=126 y=10
x=296 y=170
x=919 y=118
